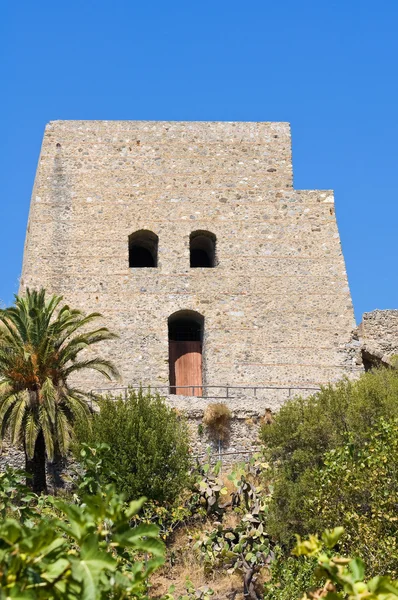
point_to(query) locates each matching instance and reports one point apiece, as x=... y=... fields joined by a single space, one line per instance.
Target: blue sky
x=328 y=67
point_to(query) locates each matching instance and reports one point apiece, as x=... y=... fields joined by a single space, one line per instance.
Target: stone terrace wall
x=247 y=413
x=277 y=307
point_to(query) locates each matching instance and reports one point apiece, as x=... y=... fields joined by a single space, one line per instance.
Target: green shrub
x=318 y=570
x=340 y=577
x=357 y=487
x=149 y=446
x=335 y=457
x=305 y=428
x=291 y=577
x=87 y=551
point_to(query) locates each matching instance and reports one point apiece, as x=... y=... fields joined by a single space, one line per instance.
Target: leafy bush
x=85 y=551
x=358 y=488
x=305 y=428
x=291 y=577
x=91 y=459
x=336 y=457
x=341 y=577
x=15 y=497
x=191 y=504
x=149 y=446
x=166 y=518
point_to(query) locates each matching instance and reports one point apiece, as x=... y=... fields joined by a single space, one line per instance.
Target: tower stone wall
x=277 y=308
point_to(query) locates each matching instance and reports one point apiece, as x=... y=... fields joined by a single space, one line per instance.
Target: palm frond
x=6 y=402
x=32 y=429
x=16 y=322
x=4 y=386
x=78 y=406
x=49 y=396
x=63 y=432
x=105 y=367
x=83 y=397
x=9 y=333
x=48 y=432
x=16 y=417
x=80 y=342
x=72 y=321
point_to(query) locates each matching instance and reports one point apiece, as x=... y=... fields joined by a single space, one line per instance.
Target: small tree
x=40 y=345
x=149 y=445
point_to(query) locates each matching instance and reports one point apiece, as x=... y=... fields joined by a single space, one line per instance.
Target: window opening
x=143 y=249
x=202 y=248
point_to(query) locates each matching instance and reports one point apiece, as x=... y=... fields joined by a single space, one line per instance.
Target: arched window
x=202 y=247
x=143 y=249
x=185 y=353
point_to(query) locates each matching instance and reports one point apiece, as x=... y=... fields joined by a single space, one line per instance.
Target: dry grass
x=217 y=417
x=183 y=563
x=224 y=586
x=231 y=520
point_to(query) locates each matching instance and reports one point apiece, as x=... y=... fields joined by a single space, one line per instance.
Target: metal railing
x=215 y=454
x=227 y=391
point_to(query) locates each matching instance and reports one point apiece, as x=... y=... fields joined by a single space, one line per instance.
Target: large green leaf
x=77 y=527
x=55 y=569
x=10 y=531
x=357 y=568
x=88 y=568
x=330 y=537
x=144 y=529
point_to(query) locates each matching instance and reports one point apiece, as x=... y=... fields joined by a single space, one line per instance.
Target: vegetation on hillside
x=96 y=546
x=328 y=465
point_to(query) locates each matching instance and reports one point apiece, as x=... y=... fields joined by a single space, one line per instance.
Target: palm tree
x=40 y=344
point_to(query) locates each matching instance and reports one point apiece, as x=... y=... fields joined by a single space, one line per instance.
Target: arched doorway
x=185 y=353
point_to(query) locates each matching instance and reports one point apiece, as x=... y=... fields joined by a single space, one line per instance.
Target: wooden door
x=185 y=360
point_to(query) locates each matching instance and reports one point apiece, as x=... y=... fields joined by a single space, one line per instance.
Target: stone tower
x=191 y=241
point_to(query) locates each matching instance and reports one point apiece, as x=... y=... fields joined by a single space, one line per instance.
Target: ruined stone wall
x=241 y=443
x=277 y=307
x=378 y=336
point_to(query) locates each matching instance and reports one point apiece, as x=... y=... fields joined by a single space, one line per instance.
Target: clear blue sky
x=328 y=67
